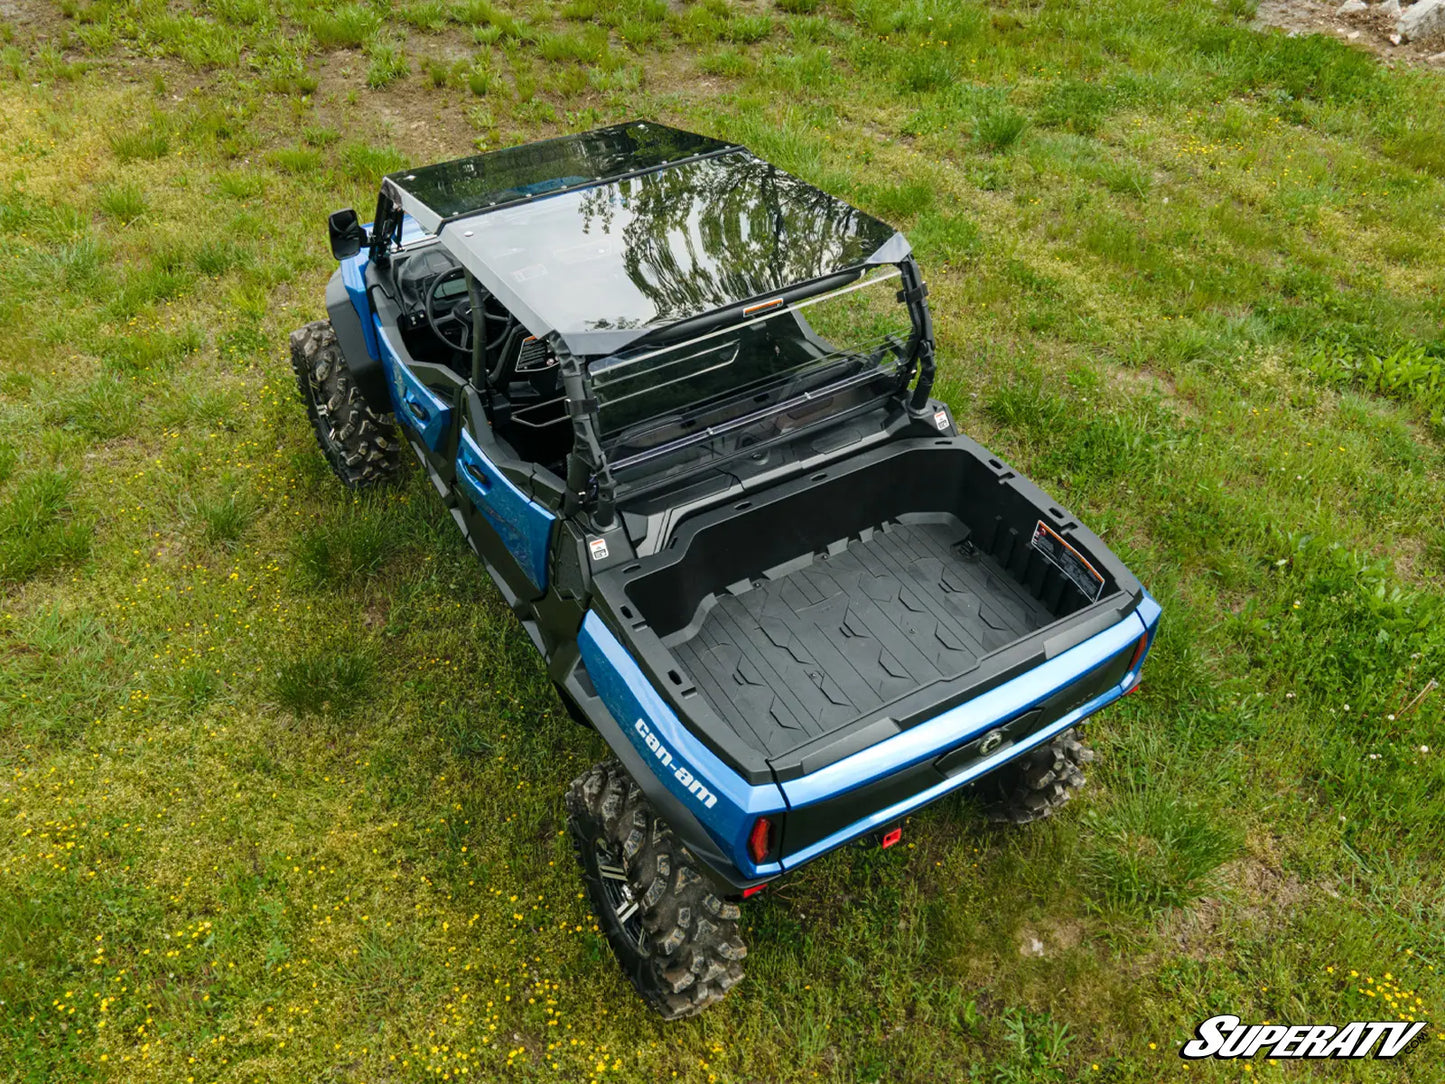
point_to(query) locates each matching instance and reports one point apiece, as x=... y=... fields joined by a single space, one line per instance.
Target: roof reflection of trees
x=712 y=232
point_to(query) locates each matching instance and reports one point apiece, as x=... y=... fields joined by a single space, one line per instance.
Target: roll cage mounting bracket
x=589 y=477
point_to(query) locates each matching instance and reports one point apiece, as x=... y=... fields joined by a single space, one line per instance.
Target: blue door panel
x=416 y=406
x=523 y=525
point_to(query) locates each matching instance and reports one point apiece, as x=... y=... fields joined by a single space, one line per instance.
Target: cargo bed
x=818 y=617
x=902 y=606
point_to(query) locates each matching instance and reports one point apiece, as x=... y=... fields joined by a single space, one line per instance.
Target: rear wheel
x=675 y=938
x=361 y=445
x=1039 y=782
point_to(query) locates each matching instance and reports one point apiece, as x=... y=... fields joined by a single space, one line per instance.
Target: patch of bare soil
x=1051 y=938
x=1145 y=381
x=31 y=15
x=1255 y=895
x=425 y=123
x=1373 y=29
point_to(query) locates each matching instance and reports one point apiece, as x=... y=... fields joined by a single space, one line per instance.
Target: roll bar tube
x=920 y=346
x=586 y=463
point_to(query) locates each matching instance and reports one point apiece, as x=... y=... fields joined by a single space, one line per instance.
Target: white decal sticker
x=598 y=546
x=689 y=782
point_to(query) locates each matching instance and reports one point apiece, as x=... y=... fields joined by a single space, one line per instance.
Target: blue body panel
x=675 y=754
x=415 y=405
x=1148 y=611
x=641 y=713
x=524 y=526
x=353 y=277
x=353 y=272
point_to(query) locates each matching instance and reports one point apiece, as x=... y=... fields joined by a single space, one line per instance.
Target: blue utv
x=678 y=402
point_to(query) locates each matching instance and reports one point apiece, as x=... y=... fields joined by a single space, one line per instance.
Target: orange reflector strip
x=762 y=306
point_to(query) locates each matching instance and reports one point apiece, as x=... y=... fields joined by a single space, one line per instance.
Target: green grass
x=281 y=774
x=388 y=64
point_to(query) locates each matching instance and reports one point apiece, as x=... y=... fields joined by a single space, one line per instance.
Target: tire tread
x=361 y=446
x=696 y=953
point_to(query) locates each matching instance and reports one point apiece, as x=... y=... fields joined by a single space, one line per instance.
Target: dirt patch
x=31 y=15
x=1195 y=931
x=1407 y=554
x=422 y=122
x=1266 y=889
x=1152 y=383
x=374 y=616
x=1145 y=380
x=1256 y=895
x=1051 y=937
x=1372 y=29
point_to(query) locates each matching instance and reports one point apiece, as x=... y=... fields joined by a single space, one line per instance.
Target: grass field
x=282 y=777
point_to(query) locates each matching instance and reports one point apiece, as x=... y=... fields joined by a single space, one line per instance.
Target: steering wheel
x=450 y=318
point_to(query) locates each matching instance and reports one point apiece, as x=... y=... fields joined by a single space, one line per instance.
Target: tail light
x=1135 y=659
x=1138 y=652
x=761 y=840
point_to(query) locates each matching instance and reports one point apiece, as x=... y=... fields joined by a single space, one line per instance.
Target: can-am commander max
x=678 y=402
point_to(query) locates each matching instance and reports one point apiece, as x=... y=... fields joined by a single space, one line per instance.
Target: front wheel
x=674 y=937
x=361 y=445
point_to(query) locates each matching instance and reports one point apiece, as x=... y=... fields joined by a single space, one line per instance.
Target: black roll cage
x=590 y=484
x=590 y=481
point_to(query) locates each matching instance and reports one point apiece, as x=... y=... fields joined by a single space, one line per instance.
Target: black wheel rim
x=617 y=891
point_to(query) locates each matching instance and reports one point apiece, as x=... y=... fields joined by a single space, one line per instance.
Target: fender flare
x=583 y=703
x=344 y=307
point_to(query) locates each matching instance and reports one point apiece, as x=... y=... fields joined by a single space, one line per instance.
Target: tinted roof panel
x=434 y=194
x=603 y=264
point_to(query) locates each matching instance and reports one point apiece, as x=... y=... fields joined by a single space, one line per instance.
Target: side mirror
x=347 y=234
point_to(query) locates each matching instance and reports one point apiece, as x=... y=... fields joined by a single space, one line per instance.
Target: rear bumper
x=901 y=775
x=866 y=791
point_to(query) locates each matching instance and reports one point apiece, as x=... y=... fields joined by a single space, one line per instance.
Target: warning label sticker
x=1069 y=561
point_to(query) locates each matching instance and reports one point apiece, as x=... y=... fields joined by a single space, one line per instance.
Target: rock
x=1421 y=19
x=1390 y=9
x=1394 y=39
x=1349 y=7
x=1438 y=58
x=1353 y=35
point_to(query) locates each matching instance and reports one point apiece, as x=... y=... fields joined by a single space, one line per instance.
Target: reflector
x=759 y=842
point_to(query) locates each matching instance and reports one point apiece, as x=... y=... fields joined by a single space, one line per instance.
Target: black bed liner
x=898 y=609
x=821 y=615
